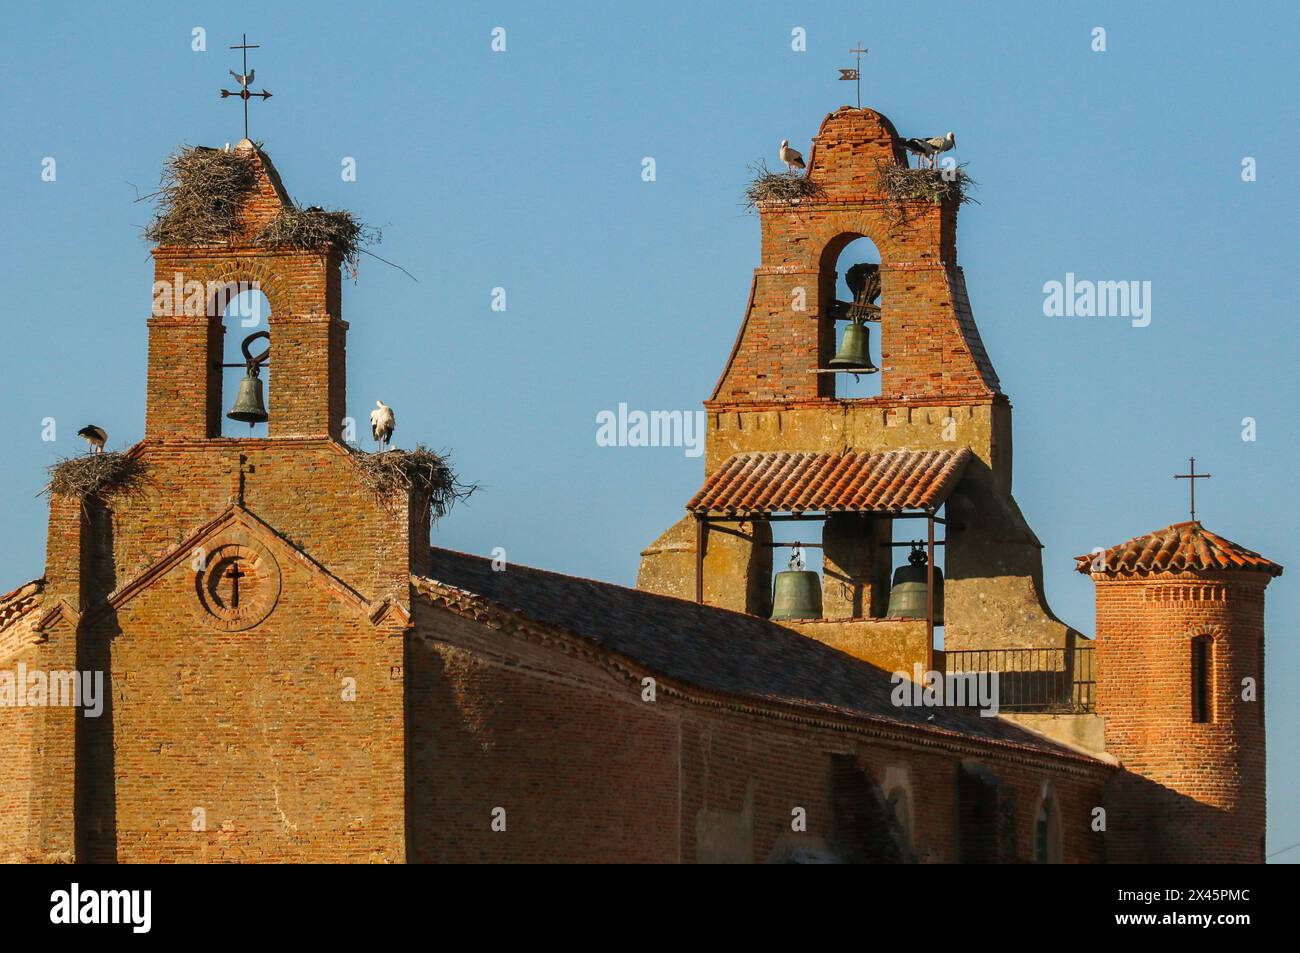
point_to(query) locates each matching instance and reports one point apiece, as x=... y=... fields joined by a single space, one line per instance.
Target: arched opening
x=794 y=592
x=1047 y=827
x=898 y=803
x=912 y=600
x=850 y=327
x=1259 y=668
x=246 y=312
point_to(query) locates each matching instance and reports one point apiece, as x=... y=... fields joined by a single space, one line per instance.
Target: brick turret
x=1180 y=681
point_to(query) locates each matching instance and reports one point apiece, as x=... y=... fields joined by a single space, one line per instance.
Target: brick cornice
x=831 y=403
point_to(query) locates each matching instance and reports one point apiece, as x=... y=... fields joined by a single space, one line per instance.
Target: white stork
x=95 y=436
x=791 y=157
x=382 y=423
x=929 y=148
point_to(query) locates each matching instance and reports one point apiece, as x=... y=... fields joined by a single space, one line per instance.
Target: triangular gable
x=236 y=516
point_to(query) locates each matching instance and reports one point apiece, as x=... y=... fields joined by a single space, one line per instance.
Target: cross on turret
x=1191 y=478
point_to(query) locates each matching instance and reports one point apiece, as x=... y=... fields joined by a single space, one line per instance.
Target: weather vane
x=855 y=73
x=243 y=79
x=1192 y=477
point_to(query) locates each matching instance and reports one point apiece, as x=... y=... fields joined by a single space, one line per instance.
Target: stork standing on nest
x=791 y=157
x=382 y=424
x=95 y=436
x=929 y=148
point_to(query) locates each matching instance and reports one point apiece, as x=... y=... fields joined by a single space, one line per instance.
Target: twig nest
x=421 y=472
x=94 y=475
x=769 y=186
x=904 y=184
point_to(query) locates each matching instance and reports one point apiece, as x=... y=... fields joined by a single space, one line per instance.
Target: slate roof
x=1182 y=547
x=706 y=647
x=774 y=482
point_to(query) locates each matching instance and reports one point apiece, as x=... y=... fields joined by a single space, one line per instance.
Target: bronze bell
x=249 y=406
x=908 y=596
x=796 y=594
x=855 y=350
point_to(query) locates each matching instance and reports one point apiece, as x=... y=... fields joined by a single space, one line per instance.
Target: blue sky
x=522 y=170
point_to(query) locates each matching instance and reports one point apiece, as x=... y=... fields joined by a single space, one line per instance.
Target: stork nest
x=95 y=475
x=313 y=227
x=904 y=184
x=200 y=195
x=768 y=186
x=421 y=472
x=202 y=190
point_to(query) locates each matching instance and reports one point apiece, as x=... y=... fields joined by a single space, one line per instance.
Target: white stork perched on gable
x=95 y=436
x=382 y=423
x=791 y=157
x=929 y=148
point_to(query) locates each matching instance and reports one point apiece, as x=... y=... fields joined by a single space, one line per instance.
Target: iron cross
x=243 y=79
x=1192 y=477
x=855 y=74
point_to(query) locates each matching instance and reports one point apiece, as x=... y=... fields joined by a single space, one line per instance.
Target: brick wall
x=587 y=770
x=251 y=726
x=1194 y=792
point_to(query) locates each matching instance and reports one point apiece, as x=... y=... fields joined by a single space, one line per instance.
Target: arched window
x=247 y=311
x=1259 y=689
x=1202 y=679
x=899 y=803
x=855 y=299
x=1047 y=827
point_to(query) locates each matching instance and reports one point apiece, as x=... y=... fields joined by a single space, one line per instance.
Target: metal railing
x=1035 y=680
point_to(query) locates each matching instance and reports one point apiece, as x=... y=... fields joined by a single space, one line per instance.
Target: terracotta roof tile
x=832 y=482
x=14 y=605
x=1183 y=547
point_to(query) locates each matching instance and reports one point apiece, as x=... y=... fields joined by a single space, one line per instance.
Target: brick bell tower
x=247 y=598
x=781 y=440
x=304 y=289
x=1180 y=685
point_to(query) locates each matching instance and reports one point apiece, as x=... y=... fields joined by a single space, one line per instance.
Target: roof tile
x=1182 y=547
x=831 y=482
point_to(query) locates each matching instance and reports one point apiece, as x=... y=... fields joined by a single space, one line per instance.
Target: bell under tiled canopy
x=853 y=482
x=1182 y=547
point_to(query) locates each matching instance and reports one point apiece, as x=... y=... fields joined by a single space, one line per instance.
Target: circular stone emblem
x=237 y=587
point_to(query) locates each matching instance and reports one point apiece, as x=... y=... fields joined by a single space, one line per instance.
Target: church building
x=291 y=673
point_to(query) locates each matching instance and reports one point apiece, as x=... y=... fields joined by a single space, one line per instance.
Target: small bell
x=249 y=406
x=855 y=350
x=796 y=594
x=908 y=598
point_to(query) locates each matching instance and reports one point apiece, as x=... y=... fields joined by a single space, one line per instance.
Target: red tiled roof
x=833 y=482
x=14 y=605
x=1183 y=547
